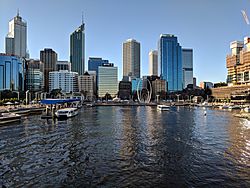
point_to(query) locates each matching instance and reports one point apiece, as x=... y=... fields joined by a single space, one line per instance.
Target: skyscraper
x=49 y=58
x=153 y=63
x=16 y=39
x=187 y=65
x=77 y=49
x=131 y=58
x=170 y=60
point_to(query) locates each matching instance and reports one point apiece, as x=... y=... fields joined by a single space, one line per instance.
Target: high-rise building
x=153 y=63
x=170 y=60
x=131 y=58
x=86 y=85
x=107 y=81
x=187 y=65
x=77 y=49
x=93 y=73
x=11 y=73
x=16 y=39
x=158 y=88
x=63 y=65
x=34 y=75
x=125 y=90
x=49 y=58
x=64 y=80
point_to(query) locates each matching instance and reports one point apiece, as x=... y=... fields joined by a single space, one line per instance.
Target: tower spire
x=18 y=12
x=82 y=18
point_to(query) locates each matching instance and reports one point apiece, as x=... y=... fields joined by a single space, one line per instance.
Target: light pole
x=177 y=97
x=190 y=98
x=27 y=97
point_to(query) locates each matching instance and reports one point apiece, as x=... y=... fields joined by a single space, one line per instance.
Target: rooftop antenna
x=82 y=18
x=18 y=12
x=245 y=17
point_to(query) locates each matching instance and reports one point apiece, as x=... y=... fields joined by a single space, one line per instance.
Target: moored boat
x=66 y=113
x=247 y=109
x=9 y=118
x=163 y=107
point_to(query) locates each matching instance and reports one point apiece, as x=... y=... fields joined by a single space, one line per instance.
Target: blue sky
x=207 y=26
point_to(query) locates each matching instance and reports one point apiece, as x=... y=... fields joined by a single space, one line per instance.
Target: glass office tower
x=11 y=73
x=170 y=61
x=187 y=65
x=77 y=50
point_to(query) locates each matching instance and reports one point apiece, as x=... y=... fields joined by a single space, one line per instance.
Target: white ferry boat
x=247 y=109
x=163 y=107
x=66 y=113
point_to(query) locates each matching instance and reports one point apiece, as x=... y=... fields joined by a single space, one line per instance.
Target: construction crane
x=245 y=17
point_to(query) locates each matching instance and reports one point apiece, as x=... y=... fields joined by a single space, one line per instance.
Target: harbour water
x=128 y=147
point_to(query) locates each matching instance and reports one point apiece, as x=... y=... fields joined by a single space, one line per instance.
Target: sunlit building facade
x=131 y=58
x=64 y=80
x=16 y=39
x=107 y=81
x=153 y=63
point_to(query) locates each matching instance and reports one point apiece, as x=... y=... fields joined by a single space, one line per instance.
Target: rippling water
x=128 y=147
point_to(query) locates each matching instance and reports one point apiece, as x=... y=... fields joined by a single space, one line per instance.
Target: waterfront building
x=131 y=58
x=77 y=49
x=65 y=80
x=187 y=65
x=205 y=85
x=94 y=63
x=49 y=58
x=158 y=88
x=16 y=39
x=125 y=88
x=34 y=75
x=107 y=81
x=153 y=62
x=86 y=85
x=12 y=71
x=170 y=61
x=238 y=64
x=63 y=65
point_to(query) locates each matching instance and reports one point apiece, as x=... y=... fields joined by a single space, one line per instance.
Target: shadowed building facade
x=49 y=58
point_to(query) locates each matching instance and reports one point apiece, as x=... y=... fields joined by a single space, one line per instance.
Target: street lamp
x=177 y=97
x=27 y=97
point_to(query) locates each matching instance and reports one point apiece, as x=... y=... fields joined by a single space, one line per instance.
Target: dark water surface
x=128 y=147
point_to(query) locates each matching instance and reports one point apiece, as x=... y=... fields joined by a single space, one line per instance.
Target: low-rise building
x=125 y=88
x=86 y=85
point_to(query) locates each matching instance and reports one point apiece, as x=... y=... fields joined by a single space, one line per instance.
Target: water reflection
x=128 y=147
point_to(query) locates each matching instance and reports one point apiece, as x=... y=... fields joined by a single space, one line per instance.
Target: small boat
x=66 y=113
x=247 y=109
x=234 y=107
x=9 y=118
x=163 y=107
x=223 y=107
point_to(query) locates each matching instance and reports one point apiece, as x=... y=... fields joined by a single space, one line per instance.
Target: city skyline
x=207 y=34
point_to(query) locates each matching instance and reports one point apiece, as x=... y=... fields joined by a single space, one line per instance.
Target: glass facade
x=170 y=60
x=187 y=65
x=107 y=81
x=11 y=73
x=94 y=63
x=35 y=77
x=135 y=84
x=77 y=50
